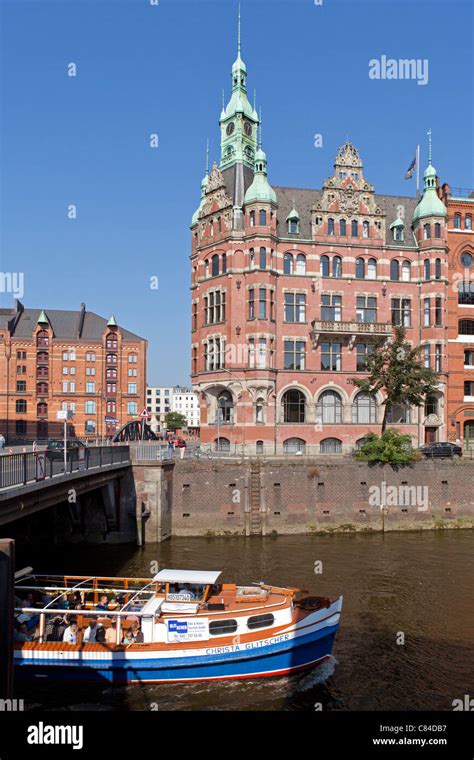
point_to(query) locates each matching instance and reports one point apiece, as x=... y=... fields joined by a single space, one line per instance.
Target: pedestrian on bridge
x=2 y=441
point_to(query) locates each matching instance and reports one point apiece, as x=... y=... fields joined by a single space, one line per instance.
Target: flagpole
x=417 y=171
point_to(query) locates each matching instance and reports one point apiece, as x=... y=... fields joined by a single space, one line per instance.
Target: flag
x=411 y=169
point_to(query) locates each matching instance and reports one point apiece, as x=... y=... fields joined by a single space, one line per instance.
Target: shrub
x=392 y=447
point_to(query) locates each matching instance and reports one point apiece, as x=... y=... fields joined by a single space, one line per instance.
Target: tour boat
x=191 y=627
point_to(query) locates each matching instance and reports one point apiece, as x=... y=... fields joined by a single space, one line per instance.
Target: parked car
x=55 y=449
x=441 y=449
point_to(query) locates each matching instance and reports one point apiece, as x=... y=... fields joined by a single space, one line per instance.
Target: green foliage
x=397 y=371
x=392 y=447
x=175 y=420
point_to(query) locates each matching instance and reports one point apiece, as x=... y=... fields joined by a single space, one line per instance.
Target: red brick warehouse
x=291 y=286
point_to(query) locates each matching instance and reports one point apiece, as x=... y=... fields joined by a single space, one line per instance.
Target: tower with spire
x=430 y=204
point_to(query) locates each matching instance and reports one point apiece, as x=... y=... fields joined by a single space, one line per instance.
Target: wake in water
x=317 y=676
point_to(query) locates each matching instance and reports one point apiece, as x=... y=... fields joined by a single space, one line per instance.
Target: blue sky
x=144 y=69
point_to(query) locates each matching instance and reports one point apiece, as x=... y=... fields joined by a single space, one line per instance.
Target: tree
x=174 y=420
x=392 y=447
x=397 y=370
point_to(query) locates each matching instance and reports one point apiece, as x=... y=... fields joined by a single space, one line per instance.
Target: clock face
x=466 y=259
x=230 y=128
x=248 y=128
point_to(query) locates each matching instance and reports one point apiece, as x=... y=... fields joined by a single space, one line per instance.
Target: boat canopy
x=205 y=577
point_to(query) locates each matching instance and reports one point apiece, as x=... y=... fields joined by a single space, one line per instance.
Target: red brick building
x=76 y=361
x=460 y=322
x=291 y=286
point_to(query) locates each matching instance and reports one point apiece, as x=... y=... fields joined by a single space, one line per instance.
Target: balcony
x=354 y=329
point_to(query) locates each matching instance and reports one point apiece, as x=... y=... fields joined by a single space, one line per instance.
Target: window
x=214 y=354
x=337 y=266
x=132 y=388
x=287 y=263
x=20 y=406
x=331 y=308
x=294 y=406
x=111 y=388
x=20 y=386
x=342 y=227
x=437 y=230
x=426 y=231
x=260 y=621
x=132 y=407
x=222 y=444
x=300 y=264
x=398 y=414
x=89 y=426
x=466 y=326
x=406 y=269
x=457 y=221
x=438 y=269
x=394 y=270
x=397 y=233
x=427 y=355
x=330 y=226
x=72 y=387
x=42 y=409
x=41 y=389
x=251 y=353
x=132 y=358
x=364 y=409
x=21 y=355
x=466 y=293
x=206 y=268
x=262 y=217
x=295 y=307
x=112 y=407
x=360 y=268
x=262 y=303
x=111 y=342
x=324 y=266
x=72 y=371
x=214 y=307
x=90 y=387
x=65 y=370
x=262 y=353
x=426 y=312
x=294 y=446
x=224 y=261
x=468 y=222
x=215 y=265
x=354 y=228
x=263 y=258
x=222 y=627
x=362 y=352
x=438 y=357
x=251 y=303
x=366 y=309
x=259 y=447
x=20 y=427
x=294 y=351
x=365 y=229
x=330 y=446
x=427 y=269
x=331 y=357
x=438 y=311
x=293 y=226
x=225 y=408
x=65 y=355
x=252 y=218
x=401 y=312
x=329 y=408
x=431 y=405
x=372 y=269
x=259 y=412
x=89 y=407
x=90 y=357
x=469 y=388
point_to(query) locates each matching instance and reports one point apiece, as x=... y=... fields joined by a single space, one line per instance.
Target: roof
x=188 y=576
x=66 y=324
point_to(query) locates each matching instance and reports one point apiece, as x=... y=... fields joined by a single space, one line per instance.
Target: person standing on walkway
x=2 y=441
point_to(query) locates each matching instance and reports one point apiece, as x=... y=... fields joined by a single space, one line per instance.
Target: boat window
x=222 y=627
x=260 y=621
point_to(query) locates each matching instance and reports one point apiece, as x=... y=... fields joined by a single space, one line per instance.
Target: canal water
x=411 y=587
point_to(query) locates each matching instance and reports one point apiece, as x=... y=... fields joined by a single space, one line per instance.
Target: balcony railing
x=325 y=327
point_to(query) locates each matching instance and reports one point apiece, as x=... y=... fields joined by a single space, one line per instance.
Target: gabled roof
x=65 y=324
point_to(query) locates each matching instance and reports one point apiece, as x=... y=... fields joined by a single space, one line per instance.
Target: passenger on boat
x=111 y=633
x=137 y=633
x=91 y=632
x=100 y=635
x=70 y=634
x=103 y=604
x=21 y=633
x=54 y=629
x=128 y=637
x=187 y=590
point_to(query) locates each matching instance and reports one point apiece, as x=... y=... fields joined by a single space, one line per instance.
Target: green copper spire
x=42 y=319
x=112 y=322
x=239 y=119
x=260 y=189
x=430 y=204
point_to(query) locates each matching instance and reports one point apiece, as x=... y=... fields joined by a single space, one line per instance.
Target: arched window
x=287 y=263
x=111 y=343
x=330 y=226
x=215 y=265
x=406 y=268
x=294 y=446
x=426 y=231
x=252 y=218
x=225 y=408
x=360 y=268
x=330 y=446
x=342 y=228
x=206 y=268
x=438 y=269
x=466 y=327
x=41 y=409
x=224 y=263
x=365 y=229
x=427 y=269
x=372 y=269
x=263 y=258
x=329 y=408
x=259 y=447
x=468 y=222
x=42 y=338
x=394 y=270
x=354 y=228
x=300 y=264
x=262 y=217
x=437 y=230
x=222 y=444
x=364 y=409
x=337 y=266
x=41 y=389
x=252 y=258
x=324 y=266
x=259 y=411
x=294 y=406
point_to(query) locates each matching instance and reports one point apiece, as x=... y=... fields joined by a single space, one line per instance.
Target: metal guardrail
x=31 y=467
x=150 y=452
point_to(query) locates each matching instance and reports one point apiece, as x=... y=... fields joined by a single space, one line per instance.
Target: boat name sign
x=248 y=645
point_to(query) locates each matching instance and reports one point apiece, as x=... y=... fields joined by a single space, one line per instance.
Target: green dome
x=430 y=204
x=260 y=189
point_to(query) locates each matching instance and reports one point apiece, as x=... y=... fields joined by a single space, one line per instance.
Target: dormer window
x=398 y=233
x=293 y=226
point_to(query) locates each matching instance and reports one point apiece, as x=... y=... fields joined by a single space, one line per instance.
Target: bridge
x=33 y=481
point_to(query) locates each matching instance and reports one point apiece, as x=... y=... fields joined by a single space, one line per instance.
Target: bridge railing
x=30 y=467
